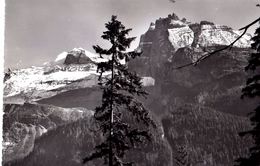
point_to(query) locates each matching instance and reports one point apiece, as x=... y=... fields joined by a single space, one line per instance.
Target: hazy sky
x=37 y=31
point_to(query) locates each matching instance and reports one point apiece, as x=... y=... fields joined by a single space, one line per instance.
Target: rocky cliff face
x=164 y=37
x=217 y=82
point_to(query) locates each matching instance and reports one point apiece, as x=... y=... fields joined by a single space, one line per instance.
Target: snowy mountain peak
x=75 y=56
x=212 y=35
x=182 y=33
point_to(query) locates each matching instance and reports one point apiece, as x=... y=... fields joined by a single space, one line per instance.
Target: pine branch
x=245 y=28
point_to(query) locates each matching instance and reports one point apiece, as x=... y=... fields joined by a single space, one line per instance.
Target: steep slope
x=208 y=137
x=23 y=124
x=84 y=97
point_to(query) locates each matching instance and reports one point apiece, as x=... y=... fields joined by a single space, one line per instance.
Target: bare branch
x=219 y=50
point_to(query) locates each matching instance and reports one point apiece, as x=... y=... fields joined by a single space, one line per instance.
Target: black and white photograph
x=130 y=83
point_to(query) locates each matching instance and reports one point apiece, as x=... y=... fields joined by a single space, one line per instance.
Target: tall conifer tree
x=120 y=114
x=252 y=90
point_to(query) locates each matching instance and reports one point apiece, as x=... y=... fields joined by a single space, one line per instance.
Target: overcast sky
x=36 y=31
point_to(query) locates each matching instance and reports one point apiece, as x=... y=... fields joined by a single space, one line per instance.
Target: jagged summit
x=173 y=16
x=76 y=56
x=182 y=33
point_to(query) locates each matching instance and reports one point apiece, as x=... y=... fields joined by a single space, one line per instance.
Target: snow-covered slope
x=181 y=34
x=33 y=81
x=212 y=35
x=181 y=37
x=52 y=78
x=61 y=57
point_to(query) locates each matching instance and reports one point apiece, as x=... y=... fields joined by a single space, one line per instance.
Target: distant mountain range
x=48 y=109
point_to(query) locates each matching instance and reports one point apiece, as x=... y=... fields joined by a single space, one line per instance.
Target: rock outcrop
x=77 y=57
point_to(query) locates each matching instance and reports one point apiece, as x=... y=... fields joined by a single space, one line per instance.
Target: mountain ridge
x=182 y=33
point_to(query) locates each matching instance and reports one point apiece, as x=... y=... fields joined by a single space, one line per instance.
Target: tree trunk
x=111 y=115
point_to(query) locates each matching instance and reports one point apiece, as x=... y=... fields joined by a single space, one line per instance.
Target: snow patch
x=177 y=22
x=61 y=56
x=152 y=26
x=148 y=81
x=212 y=35
x=181 y=37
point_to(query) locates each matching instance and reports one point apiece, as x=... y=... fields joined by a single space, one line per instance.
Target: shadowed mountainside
x=209 y=137
x=23 y=124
